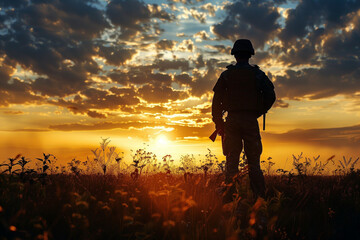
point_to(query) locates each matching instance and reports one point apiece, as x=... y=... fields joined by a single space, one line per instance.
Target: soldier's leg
x=234 y=145
x=253 y=150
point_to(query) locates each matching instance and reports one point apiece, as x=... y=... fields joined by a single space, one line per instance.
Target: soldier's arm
x=217 y=107
x=217 y=103
x=269 y=92
x=267 y=87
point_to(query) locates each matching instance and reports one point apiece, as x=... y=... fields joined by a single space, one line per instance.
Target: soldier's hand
x=219 y=125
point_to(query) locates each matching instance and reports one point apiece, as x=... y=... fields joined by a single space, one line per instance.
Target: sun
x=162 y=140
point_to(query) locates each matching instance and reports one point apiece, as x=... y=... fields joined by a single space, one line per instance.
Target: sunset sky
x=75 y=71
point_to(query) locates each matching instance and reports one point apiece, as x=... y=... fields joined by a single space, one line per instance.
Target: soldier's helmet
x=242 y=45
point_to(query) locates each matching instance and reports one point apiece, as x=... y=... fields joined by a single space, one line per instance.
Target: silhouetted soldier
x=246 y=93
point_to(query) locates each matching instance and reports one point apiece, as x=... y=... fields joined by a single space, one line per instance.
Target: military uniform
x=240 y=92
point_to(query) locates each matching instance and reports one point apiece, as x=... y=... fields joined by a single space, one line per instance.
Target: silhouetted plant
x=167 y=162
x=346 y=166
x=10 y=165
x=22 y=163
x=299 y=166
x=46 y=161
x=140 y=159
x=207 y=165
x=267 y=165
x=104 y=155
x=74 y=166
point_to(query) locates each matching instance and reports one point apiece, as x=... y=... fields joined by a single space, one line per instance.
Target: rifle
x=264 y=117
x=222 y=134
x=214 y=135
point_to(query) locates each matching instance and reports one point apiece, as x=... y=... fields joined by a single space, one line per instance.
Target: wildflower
x=169 y=223
x=125 y=205
x=133 y=200
x=156 y=216
x=76 y=215
x=106 y=208
x=128 y=218
x=82 y=204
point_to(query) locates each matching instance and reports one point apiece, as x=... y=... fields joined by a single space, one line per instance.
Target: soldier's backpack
x=245 y=94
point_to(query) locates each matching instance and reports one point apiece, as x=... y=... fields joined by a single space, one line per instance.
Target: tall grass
x=154 y=198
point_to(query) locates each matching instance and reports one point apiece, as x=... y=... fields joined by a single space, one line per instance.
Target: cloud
x=334 y=77
x=331 y=137
x=186 y=45
x=13 y=112
x=202 y=35
x=133 y=16
x=243 y=21
x=189 y=2
x=100 y=126
x=165 y=64
x=220 y=48
x=40 y=36
x=183 y=79
x=165 y=44
x=95 y=114
x=210 y=8
x=204 y=82
x=13 y=90
x=160 y=94
x=279 y=103
x=116 y=55
x=91 y=101
x=309 y=15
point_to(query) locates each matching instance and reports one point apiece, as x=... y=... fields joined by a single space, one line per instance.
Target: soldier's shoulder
x=231 y=66
x=257 y=69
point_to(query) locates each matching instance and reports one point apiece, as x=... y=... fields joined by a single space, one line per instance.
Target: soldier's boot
x=257 y=181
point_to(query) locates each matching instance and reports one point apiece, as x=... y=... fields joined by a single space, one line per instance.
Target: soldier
x=245 y=93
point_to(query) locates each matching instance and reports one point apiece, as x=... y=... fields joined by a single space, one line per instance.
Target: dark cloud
x=322 y=37
x=183 y=79
x=165 y=44
x=133 y=16
x=331 y=137
x=203 y=83
x=299 y=54
x=279 y=103
x=14 y=91
x=243 y=21
x=101 y=126
x=96 y=100
x=316 y=31
x=157 y=12
x=199 y=62
x=202 y=35
x=309 y=15
x=95 y=114
x=165 y=64
x=210 y=8
x=220 y=49
x=160 y=94
x=189 y=2
x=52 y=39
x=333 y=78
x=13 y=3
x=13 y=112
x=144 y=74
x=116 y=55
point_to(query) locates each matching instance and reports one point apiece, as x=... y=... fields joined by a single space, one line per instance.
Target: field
x=104 y=198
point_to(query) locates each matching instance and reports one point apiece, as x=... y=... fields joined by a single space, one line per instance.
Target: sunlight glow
x=162 y=140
